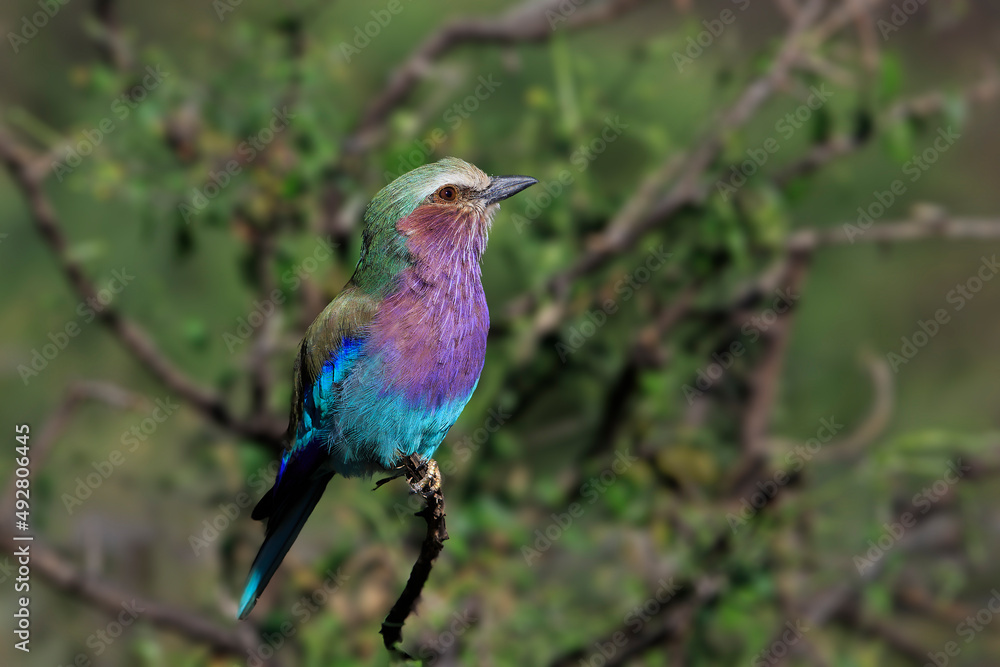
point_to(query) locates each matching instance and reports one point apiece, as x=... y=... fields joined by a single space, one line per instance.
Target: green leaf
x=899 y=140
x=890 y=81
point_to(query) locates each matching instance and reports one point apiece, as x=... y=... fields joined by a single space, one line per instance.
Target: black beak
x=502 y=187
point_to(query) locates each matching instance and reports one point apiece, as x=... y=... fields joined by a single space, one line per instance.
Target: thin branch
x=670 y=624
x=529 y=22
x=983 y=91
x=854 y=446
x=110 y=40
x=835 y=601
x=645 y=354
x=437 y=533
x=59 y=419
x=764 y=381
x=955 y=229
x=689 y=190
x=64 y=576
x=28 y=176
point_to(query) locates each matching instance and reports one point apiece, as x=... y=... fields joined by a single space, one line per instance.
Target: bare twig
x=437 y=533
x=764 y=381
x=854 y=446
x=689 y=190
x=110 y=40
x=525 y=23
x=669 y=624
x=64 y=576
x=27 y=175
x=987 y=89
x=59 y=419
x=841 y=598
x=983 y=229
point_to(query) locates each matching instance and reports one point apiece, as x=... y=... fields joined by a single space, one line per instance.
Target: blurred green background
x=561 y=399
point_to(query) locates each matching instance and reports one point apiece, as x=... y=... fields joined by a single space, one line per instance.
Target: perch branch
x=437 y=533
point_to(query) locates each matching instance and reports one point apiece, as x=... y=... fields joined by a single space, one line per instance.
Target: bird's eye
x=448 y=193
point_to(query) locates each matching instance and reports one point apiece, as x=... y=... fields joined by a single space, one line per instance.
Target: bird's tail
x=287 y=509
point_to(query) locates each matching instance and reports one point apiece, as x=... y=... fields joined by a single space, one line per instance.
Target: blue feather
x=298 y=486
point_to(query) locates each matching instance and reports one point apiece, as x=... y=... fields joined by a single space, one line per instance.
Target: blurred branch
x=853 y=447
x=843 y=600
x=852 y=617
x=670 y=624
x=985 y=90
x=28 y=172
x=59 y=419
x=110 y=41
x=645 y=353
x=528 y=22
x=846 y=12
x=764 y=380
x=65 y=577
x=262 y=246
x=689 y=190
x=955 y=229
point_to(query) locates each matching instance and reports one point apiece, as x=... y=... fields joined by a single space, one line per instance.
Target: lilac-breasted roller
x=386 y=369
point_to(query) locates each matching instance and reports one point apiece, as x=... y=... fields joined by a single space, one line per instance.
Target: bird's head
x=439 y=213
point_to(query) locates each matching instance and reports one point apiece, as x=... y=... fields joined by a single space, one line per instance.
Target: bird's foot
x=388 y=479
x=423 y=475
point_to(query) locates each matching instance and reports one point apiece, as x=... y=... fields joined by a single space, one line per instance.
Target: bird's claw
x=386 y=480
x=423 y=476
x=429 y=480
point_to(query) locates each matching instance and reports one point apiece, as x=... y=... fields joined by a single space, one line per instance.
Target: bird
x=385 y=370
